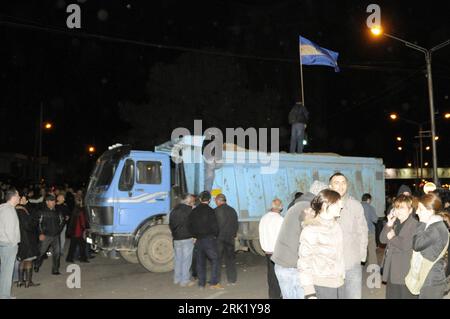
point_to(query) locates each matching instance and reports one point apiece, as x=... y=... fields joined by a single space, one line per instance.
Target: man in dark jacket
x=227 y=220
x=51 y=223
x=183 y=243
x=203 y=227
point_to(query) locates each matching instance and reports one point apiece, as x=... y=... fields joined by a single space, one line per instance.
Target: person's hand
x=41 y=237
x=391 y=218
x=391 y=235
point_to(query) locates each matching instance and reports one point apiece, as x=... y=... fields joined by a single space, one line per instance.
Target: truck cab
x=127 y=199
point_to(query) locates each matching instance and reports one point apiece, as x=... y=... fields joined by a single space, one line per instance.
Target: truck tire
x=255 y=247
x=129 y=256
x=155 y=249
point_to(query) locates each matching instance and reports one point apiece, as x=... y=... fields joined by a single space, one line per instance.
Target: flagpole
x=301 y=70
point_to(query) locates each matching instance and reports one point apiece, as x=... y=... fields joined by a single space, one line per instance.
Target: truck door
x=142 y=192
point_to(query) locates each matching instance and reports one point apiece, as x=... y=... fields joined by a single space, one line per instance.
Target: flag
x=312 y=54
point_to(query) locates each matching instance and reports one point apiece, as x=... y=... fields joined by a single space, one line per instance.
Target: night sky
x=102 y=91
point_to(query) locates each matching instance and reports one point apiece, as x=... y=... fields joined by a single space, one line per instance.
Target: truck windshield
x=103 y=173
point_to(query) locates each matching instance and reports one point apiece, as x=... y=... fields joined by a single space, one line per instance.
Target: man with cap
x=51 y=223
x=227 y=220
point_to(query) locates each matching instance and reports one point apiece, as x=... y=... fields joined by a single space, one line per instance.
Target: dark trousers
x=227 y=255
x=74 y=243
x=272 y=281
x=194 y=262
x=207 y=249
x=394 y=291
x=54 y=243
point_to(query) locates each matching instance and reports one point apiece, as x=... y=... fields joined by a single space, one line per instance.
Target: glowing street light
x=48 y=125
x=426 y=163
x=427 y=148
x=399 y=138
x=400 y=148
x=436 y=138
x=409 y=164
x=376 y=31
x=91 y=149
x=393 y=116
x=447 y=115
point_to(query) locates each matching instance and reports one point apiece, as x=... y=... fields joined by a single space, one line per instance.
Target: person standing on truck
x=355 y=231
x=203 y=226
x=372 y=220
x=298 y=118
x=183 y=243
x=285 y=254
x=227 y=219
x=269 y=228
x=51 y=223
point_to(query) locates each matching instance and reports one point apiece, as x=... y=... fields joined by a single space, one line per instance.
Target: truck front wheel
x=155 y=249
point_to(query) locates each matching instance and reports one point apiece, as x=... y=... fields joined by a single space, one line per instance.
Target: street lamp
x=447 y=116
x=399 y=138
x=42 y=126
x=427 y=148
x=400 y=148
x=91 y=149
x=393 y=116
x=378 y=31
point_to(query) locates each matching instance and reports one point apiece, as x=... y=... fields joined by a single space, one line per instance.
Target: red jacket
x=80 y=225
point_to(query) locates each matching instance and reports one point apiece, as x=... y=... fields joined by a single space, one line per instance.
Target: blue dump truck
x=131 y=192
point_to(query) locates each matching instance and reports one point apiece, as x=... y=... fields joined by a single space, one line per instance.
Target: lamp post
x=427 y=52
x=42 y=126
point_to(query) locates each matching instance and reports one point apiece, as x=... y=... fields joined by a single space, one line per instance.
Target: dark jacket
x=64 y=210
x=298 y=114
x=398 y=253
x=28 y=246
x=51 y=222
x=78 y=223
x=203 y=222
x=430 y=242
x=227 y=220
x=178 y=222
x=285 y=253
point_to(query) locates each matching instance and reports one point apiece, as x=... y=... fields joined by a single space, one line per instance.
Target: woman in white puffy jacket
x=321 y=254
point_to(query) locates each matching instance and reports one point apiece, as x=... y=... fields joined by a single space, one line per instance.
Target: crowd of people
x=34 y=224
x=316 y=250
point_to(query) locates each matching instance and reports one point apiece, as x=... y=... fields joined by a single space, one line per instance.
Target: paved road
x=108 y=278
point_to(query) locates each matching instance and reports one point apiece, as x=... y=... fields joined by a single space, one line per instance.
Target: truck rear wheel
x=155 y=249
x=130 y=256
x=255 y=247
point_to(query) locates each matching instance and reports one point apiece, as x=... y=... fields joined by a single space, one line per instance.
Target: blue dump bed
x=251 y=192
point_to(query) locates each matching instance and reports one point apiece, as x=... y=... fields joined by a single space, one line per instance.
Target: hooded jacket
x=321 y=255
